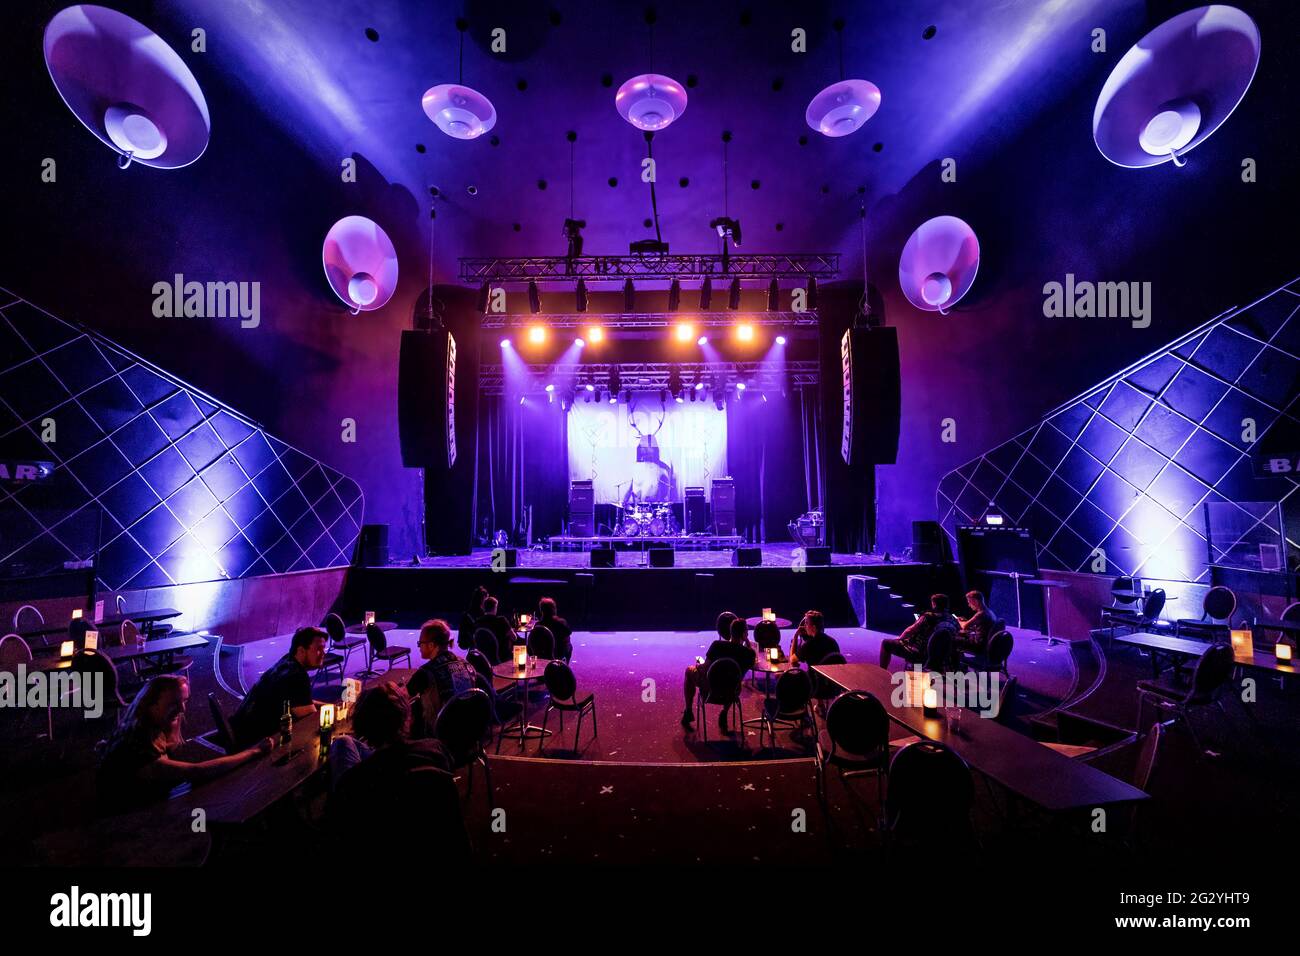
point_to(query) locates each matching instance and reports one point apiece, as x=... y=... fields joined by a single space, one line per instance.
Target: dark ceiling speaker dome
x=360 y=263
x=842 y=108
x=459 y=111
x=127 y=86
x=939 y=263
x=1176 y=86
x=650 y=101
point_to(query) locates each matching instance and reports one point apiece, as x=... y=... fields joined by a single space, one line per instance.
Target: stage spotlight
x=706 y=293
x=505 y=343
x=589 y=387
x=745 y=332
x=702 y=341
x=780 y=340
x=537 y=334
x=718 y=402
x=733 y=298
x=740 y=387
x=674 y=295
x=613 y=399
x=699 y=386
x=534 y=298
x=615 y=380
x=595 y=334
x=684 y=332
x=587 y=396
x=522 y=399
x=812 y=293
x=629 y=296
x=773 y=296
x=579 y=342
x=580 y=295
x=550 y=387
x=674 y=380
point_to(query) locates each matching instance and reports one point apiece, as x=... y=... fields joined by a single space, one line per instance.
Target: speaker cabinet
x=929 y=543
x=582 y=509
x=661 y=557
x=871 y=395
x=602 y=557
x=372 y=546
x=724 y=506
x=747 y=558
x=426 y=399
x=697 y=511
x=817 y=555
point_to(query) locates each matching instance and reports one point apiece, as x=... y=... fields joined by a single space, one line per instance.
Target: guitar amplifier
x=724 y=506
x=697 y=511
x=582 y=509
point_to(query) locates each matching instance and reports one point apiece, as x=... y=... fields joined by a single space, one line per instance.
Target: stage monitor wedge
x=872 y=396
x=426 y=399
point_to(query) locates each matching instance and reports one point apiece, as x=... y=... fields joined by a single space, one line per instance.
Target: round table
x=361 y=628
x=535 y=668
x=1048 y=585
x=753 y=622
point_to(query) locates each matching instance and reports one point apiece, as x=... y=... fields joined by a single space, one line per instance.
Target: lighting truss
x=648 y=320
x=653 y=376
x=502 y=270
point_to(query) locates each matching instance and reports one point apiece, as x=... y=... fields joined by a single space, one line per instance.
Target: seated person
x=737 y=648
x=469 y=619
x=136 y=767
x=368 y=768
x=548 y=617
x=499 y=626
x=723 y=625
x=912 y=643
x=286 y=680
x=979 y=627
x=441 y=677
x=811 y=644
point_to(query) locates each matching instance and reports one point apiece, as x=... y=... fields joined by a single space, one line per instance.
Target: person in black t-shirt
x=811 y=643
x=546 y=615
x=979 y=627
x=499 y=627
x=913 y=643
x=736 y=647
x=288 y=679
x=136 y=767
x=469 y=620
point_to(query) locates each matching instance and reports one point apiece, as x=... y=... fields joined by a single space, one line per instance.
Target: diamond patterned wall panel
x=1134 y=465
x=174 y=486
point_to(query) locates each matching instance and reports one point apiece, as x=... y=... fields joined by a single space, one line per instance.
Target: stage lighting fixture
x=706 y=293
x=699 y=386
x=718 y=401
x=615 y=380
x=674 y=295
x=595 y=334
x=812 y=293
x=674 y=380
x=522 y=399
x=587 y=396
x=573 y=234
x=773 y=296
x=629 y=296
x=580 y=296
x=684 y=332
x=733 y=298
x=780 y=340
x=740 y=386
x=579 y=342
x=505 y=343
x=613 y=399
x=702 y=341
x=590 y=387
x=534 y=298
x=537 y=334
x=550 y=387
x=550 y=397
x=745 y=332
x=727 y=228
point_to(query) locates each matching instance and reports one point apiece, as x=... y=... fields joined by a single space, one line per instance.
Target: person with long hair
x=136 y=765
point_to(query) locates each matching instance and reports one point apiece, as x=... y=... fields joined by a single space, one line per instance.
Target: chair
x=823 y=689
x=221 y=737
x=77 y=631
x=724 y=680
x=13 y=651
x=931 y=792
x=128 y=633
x=939 y=649
x=88 y=664
x=1215 y=622
x=341 y=645
x=789 y=706
x=996 y=653
x=1118 y=602
x=541 y=642
x=461 y=725
x=1212 y=673
x=486 y=643
x=381 y=650
x=855 y=741
x=1136 y=620
x=34 y=612
x=562 y=687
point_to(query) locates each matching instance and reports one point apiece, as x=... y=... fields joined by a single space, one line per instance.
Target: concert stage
x=641 y=542
x=631 y=595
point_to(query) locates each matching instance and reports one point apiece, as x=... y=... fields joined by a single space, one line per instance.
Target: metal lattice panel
x=1129 y=466
x=175 y=486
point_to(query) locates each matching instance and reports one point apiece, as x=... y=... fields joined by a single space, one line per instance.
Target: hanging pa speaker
x=1176 y=86
x=426 y=399
x=360 y=263
x=939 y=263
x=127 y=86
x=872 y=396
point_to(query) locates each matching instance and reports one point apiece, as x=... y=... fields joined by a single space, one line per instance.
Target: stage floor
x=781 y=555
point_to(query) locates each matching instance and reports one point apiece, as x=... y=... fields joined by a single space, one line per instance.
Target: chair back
x=724 y=682
x=225 y=736
x=33 y=612
x=77 y=630
x=335 y=629
x=856 y=722
x=938 y=651
x=930 y=791
x=463 y=722
x=767 y=634
x=560 y=682
x=1220 y=604
x=13 y=651
x=1291 y=614
x=375 y=635
x=1146 y=758
x=824 y=688
x=89 y=663
x=1122 y=584
x=793 y=691
x=478 y=660
x=486 y=642
x=999 y=650
x=1153 y=605
x=724 y=625
x=1213 y=670
x=1006 y=694
x=129 y=633
x=119 y=602
x=541 y=642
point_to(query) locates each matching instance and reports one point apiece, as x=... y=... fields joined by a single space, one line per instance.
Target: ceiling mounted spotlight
x=733 y=296
x=939 y=263
x=780 y=340
x=650 y=101
x=675 y=380
x=706 y=294
x=580 y=296
x=629 y=296
x=615 y=380
x=537 y=334
x=684 y=332
x=745 y=332
x=773 y=296
x=595 y=334
x=534 y=298
x=1176 y=86
x=702 y=341
x=674 y=295
x=360 y=263
x=127 y=86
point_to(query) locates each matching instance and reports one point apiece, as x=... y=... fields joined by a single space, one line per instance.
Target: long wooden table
x=1023 y=766
x=163 y=648
x=107 y=624
x=1180 y=649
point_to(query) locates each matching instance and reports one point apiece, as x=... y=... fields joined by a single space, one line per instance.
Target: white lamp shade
x=939 y=263
x=459 y=111
x=650 y=101
x=842 y=108
x=360 y=263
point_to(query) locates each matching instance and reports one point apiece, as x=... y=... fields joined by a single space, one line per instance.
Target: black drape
x=773 y=448
x=522 y=463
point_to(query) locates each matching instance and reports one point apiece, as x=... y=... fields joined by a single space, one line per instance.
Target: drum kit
x=646 y=520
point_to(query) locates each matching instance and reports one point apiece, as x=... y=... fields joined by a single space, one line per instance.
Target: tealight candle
x=76 y=614
x=1284 y=651
x=774 y=654
x=67 y=649
x=769 y=614
x=521 y=656
x=92 y=640
x=930 y=701
x=524 y=619
x=326 y=717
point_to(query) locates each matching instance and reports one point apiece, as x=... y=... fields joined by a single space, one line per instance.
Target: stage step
x=876 y=606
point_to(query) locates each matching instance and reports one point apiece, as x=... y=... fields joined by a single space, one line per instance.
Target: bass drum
x=658 y=527
x=631 y=526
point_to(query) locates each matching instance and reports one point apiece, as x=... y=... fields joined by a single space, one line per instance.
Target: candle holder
x=368 y=618
x=521 y=656
x=67 y=649
x=769 y=614
x=1284 y=650
x=92 y=640
x=76 y=614
x=930 y=701
x=774 y=654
